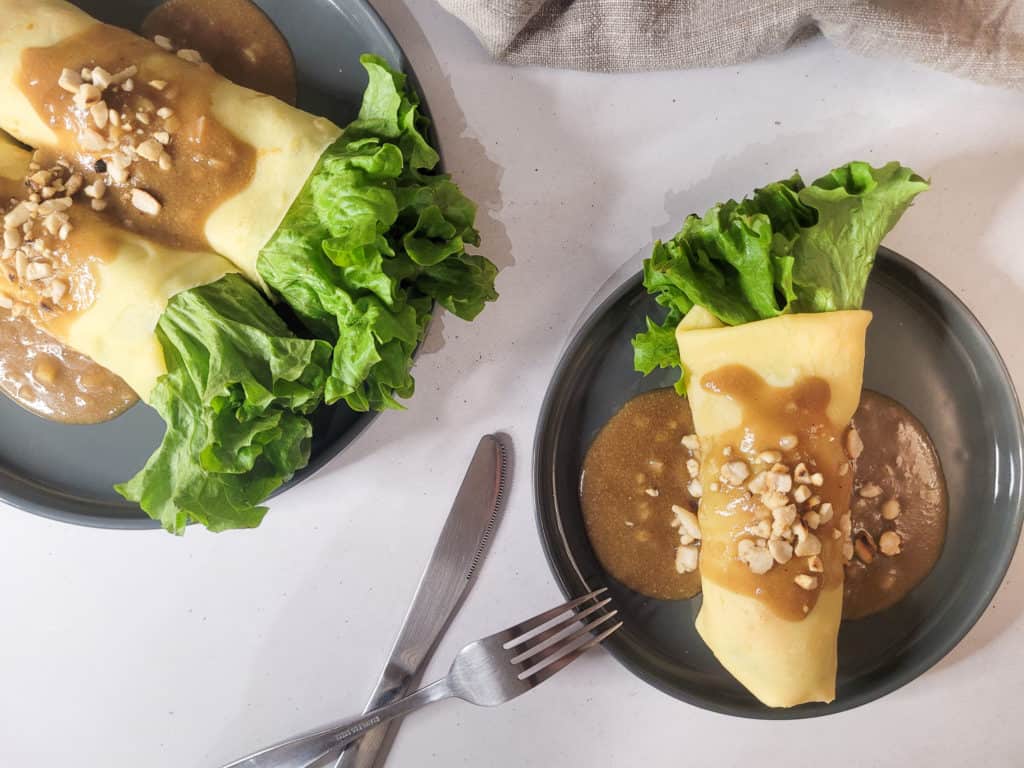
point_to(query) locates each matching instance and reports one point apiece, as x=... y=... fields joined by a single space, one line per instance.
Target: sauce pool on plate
x=633 y=475
x=636 y=471
x=46 y=378
x=234 y=36
x=899 y=507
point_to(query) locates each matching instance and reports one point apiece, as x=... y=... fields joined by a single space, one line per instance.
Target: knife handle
x=371 y=750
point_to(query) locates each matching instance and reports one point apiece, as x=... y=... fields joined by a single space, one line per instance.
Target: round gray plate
x=67 y=472
x=926 y=350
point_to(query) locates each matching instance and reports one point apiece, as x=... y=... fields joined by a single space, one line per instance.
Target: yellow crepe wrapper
x=125 y=282
x=287 y=142
x=755 y=628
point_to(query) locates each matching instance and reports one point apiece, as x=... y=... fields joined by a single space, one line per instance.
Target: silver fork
x=488 y=672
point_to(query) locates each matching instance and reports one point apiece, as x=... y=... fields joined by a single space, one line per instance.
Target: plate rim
x=546 y=504
x=138 y=520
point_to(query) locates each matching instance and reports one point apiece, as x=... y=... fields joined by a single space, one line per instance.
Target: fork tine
x=530 y=628
x=568 y=654
x=559 y=631
x=569 y=644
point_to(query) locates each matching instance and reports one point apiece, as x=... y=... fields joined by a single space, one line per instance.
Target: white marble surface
x=135 y=649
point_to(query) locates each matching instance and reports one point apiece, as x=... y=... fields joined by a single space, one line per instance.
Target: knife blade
x=449 y=575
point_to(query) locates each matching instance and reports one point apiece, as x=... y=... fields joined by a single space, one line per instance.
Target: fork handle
x=308 y=749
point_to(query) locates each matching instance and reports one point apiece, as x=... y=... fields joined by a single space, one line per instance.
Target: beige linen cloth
x=979 y=39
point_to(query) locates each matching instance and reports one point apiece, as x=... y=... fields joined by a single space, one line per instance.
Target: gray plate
x=926 y=350
x=67 y=472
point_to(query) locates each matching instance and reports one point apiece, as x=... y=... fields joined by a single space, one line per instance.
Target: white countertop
x=129 y=649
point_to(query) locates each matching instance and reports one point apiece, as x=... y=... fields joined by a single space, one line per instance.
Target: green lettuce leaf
x=238 y=387
x=856 y=207
x=656 y=348
x=786 y=248
x=375 y=237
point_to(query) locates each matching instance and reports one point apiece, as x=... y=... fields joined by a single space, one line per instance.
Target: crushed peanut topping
x=870 y=491
x=762 y=529
x=734 y=473
x=825 y=511
x=190 y=55
x=847 y=551
x=807 y=543
x=35 y=264
x=686 y=521
x=111 y=135
x=782 y=551
x=782 y=521
x=891 y=509
x=889 y=543
x=149 y=205
x=806 y=581
x=854 y=445
x=788 y=442
x=755 y=555
x=687 y=558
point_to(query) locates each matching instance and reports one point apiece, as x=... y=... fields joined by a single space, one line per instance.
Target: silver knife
x=444 y=585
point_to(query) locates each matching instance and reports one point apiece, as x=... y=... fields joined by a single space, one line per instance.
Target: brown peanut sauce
x=73 y=259
x=208 y=163
x=46 y=378
x=631 y=531
x=768 y=415
x=36 y=371
x=234 y=36
x=208 y=166
x=640 y=448
x=899 y=458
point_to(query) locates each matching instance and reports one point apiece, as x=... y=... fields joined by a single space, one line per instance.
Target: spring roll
x=242 y=159
x=771 y=402
x=763 y=320
x=355 y=231
x=99 y=289
x=182 y=328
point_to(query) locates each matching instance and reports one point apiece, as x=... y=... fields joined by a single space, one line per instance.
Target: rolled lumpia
x=190 y=335
x=100 y=289
x=763 y=320
x=771 y=402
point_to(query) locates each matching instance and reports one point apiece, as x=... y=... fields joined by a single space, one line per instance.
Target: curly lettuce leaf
x=786 y=248
x=373 y=239
x=856 y=206
x=238 y=387
x=656 y=348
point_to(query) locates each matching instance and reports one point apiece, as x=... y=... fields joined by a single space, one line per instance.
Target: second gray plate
x=926 y=350
x=68 y=472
